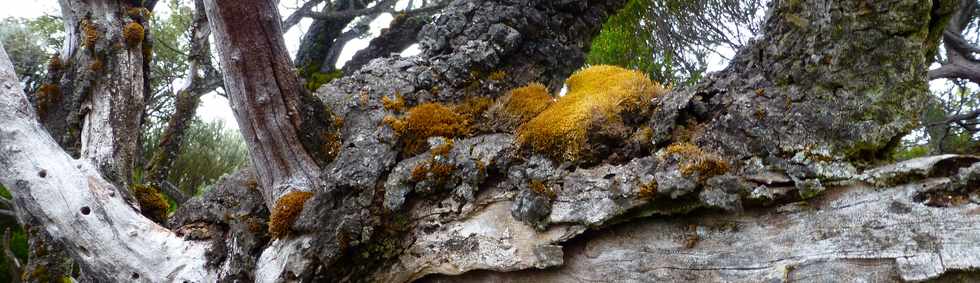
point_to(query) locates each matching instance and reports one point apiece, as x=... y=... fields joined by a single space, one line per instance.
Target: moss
x=97 y=65
x=285 y=212
x=519 y=106
x=138 y=13
x=90 y=33
x=396 y=103
x=45 y=97
x=316 y=79
x=647 y=190
x=696 y=161
x=600 y=93
x=133 y=33
x=425 y=121
x=498 y=75
x=541 y=189
x=54 y=64
x=436 y=169
x=473 y=108
x=152 y=203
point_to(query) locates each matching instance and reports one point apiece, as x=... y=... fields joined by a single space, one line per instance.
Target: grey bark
x=836 y=83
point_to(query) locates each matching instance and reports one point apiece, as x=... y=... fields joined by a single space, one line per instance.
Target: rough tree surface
x=770 y=170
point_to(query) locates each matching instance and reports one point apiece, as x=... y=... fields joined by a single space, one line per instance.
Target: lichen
x=696 y=161
x=285 y=212
x=540 y=188
x=519 y=106
x=598 y=97
x=90 y=33
x=425 y=121
x=152 y=203
x=133 y=33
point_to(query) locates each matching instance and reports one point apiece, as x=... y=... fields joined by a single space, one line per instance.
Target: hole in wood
x=86 y=210
x=136 y=275
x=43 y=173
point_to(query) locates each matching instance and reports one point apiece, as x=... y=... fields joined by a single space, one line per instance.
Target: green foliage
x=316 y=79
x=171 y=45
x=623 y=43
x=209 y=151
x=30 y=43
x=18 y=241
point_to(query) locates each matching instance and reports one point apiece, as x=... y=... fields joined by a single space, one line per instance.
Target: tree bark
x=283 y=130
x=402 y=33
x=202 y=78
x=836 y=83
x=321 y=38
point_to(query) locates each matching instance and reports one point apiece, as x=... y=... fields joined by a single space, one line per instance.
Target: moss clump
x=472 y=108
x=497 y=75
x=438 y=170
x=696 y=161
x=97 y=65
x=152 y=203
x=285 y=212
x=55 y=64
x=395 y=103
x=90 y=34
x=541 y=189
x=45 y=97
x=133 y=33
x=648 y=190
x=316 y=79
x=519 y=106
x=425 y=121
x=138 y=13
x=600 y=99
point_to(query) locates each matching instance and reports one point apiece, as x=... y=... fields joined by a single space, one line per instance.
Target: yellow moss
x=599 y=93
x=397 y=103
x=472 y=108
x=425 y=121
x=133 y=33
x=498 y=75
x=285 y=212
x=138 y=13
x=519 y=106
x=694 y=160
x=45 y=97
x=152 y=203
x=542 y=189
x=90 y=34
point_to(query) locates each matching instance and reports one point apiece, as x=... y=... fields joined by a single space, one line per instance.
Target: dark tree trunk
x=402 y=33
x=315 y=47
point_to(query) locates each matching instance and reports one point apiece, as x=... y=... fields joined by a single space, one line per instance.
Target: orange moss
x=397 y=103
x=90 y=33
x=472 y=108
x=45 y=97
x=96 y=65
x=694 y=160
x=285 y=212
x=152 y=203
x=519 y=106
x=55 y=64
x=138 y=13
x=600 y=93
x=133 y=33
x=542 y=189
x=425 y=121
x=439 y=172
x=648 y=190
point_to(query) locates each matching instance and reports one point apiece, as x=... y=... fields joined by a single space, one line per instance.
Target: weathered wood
x=265 y=94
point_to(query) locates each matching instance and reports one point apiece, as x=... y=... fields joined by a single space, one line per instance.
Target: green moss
x=152 y=203
x=597 y=96
x=316 y=79
x=285 y=212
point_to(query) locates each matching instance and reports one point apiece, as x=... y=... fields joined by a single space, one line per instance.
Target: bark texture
x=286 y=132
x=800 y=117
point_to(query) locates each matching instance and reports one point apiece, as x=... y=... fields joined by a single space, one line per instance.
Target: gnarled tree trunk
x=799 y=117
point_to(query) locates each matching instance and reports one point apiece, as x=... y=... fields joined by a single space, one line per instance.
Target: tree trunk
x=202 y=78
x=796 y=119
x=402 y=33
x=315 y=47
x=284 y=130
